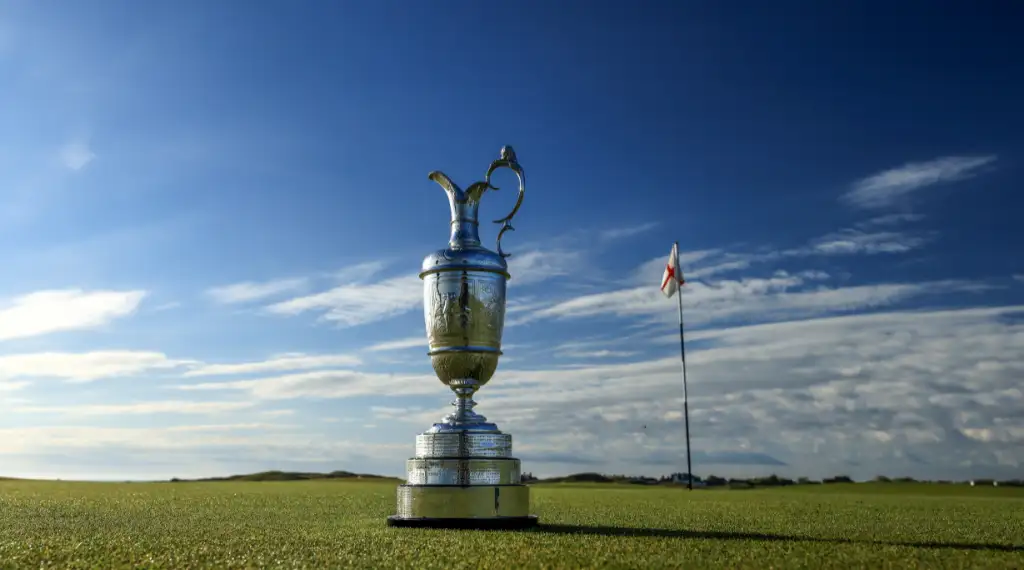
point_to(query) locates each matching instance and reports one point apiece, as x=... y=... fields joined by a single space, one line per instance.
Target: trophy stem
x=463 y=415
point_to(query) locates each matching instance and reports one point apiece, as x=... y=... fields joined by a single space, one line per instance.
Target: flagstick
x=682 y=353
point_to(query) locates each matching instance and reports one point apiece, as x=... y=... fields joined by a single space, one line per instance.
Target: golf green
x=341 y=523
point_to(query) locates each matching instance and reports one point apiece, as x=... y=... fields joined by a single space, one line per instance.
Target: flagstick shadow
x=724 y=535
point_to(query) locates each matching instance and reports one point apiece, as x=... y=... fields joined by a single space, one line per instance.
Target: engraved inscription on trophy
x=494 y=309
x=465 y=311
x=439 y=315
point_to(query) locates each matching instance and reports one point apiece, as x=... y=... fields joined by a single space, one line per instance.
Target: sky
x=212 y=217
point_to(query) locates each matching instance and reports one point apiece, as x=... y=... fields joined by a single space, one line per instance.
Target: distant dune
x=290 y=476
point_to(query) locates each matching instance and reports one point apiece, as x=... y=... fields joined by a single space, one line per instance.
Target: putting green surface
x=330 y=524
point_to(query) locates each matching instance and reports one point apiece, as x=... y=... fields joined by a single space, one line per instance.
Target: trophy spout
x=465 y=205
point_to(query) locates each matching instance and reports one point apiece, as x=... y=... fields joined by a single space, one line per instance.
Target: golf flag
x=673 y=276
x=670 y=283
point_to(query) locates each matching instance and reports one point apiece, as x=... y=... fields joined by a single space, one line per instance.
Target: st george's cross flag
x=673 y=276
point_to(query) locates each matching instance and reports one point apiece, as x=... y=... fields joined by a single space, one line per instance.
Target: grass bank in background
x=340 y=522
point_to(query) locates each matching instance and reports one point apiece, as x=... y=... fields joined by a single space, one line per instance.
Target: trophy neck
x=464 y=206
x=464 y=226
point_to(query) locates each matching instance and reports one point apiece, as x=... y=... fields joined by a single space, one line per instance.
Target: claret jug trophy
x=463 y=474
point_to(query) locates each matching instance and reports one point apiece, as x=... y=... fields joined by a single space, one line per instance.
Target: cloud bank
x=888 y=187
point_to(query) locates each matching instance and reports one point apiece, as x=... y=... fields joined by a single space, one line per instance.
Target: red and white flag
x=673 y=276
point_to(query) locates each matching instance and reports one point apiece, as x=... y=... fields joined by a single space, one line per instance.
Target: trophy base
x=463 y=479
x=463 y=502
x=497 y=523
x=463 y=472
x=463 y=444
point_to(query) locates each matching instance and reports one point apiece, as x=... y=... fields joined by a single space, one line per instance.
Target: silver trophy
x=463 y=473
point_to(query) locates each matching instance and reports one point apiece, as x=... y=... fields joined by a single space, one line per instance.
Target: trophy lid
x=464 y=259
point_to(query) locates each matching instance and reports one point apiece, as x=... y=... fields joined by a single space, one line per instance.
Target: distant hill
x=591 y=477
x=579 y=478
x=290 y=476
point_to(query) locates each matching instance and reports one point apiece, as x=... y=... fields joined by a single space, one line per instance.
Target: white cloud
x=822 y=396
x=87 y=366
x=84 y=366
x=76 y=155
x=902 y=379
x=253 y=291
x=779 y=297
x=276 y=364
x=277 y=413
x=889 y=220
x=117 y=453
x=52 y=311
x=828 y=395
x=391 y=412
x=146 y=408
x=354 y=304
x=702 y=264
x=166 y=307
x=359 y=272
x=540 y=265
x=729 y=262
x=400 y=344
x=327 y=384
x=814 y=275
x=593 y=348
x=230 y=427
x=627 y=231
x=851 y=241
x=518 y=304
x=357 y=301
x=885 y=188
x=188 y=437
x=1019 y=277
x=603 y=353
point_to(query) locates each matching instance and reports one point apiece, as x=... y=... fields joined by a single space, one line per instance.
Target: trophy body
x=463 y=473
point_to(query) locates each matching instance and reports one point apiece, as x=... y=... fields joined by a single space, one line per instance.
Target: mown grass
x=325 y=524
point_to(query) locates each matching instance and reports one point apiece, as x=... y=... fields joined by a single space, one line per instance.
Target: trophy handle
x=507 y=160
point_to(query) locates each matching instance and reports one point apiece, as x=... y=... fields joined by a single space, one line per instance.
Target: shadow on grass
x=724 y=535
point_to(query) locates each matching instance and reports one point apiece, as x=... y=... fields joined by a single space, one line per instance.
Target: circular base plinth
x=463 y=444
x=498 y=523
x=478 y=502
x=463 y=472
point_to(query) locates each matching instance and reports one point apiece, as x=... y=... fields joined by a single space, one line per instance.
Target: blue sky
x=213 y=217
